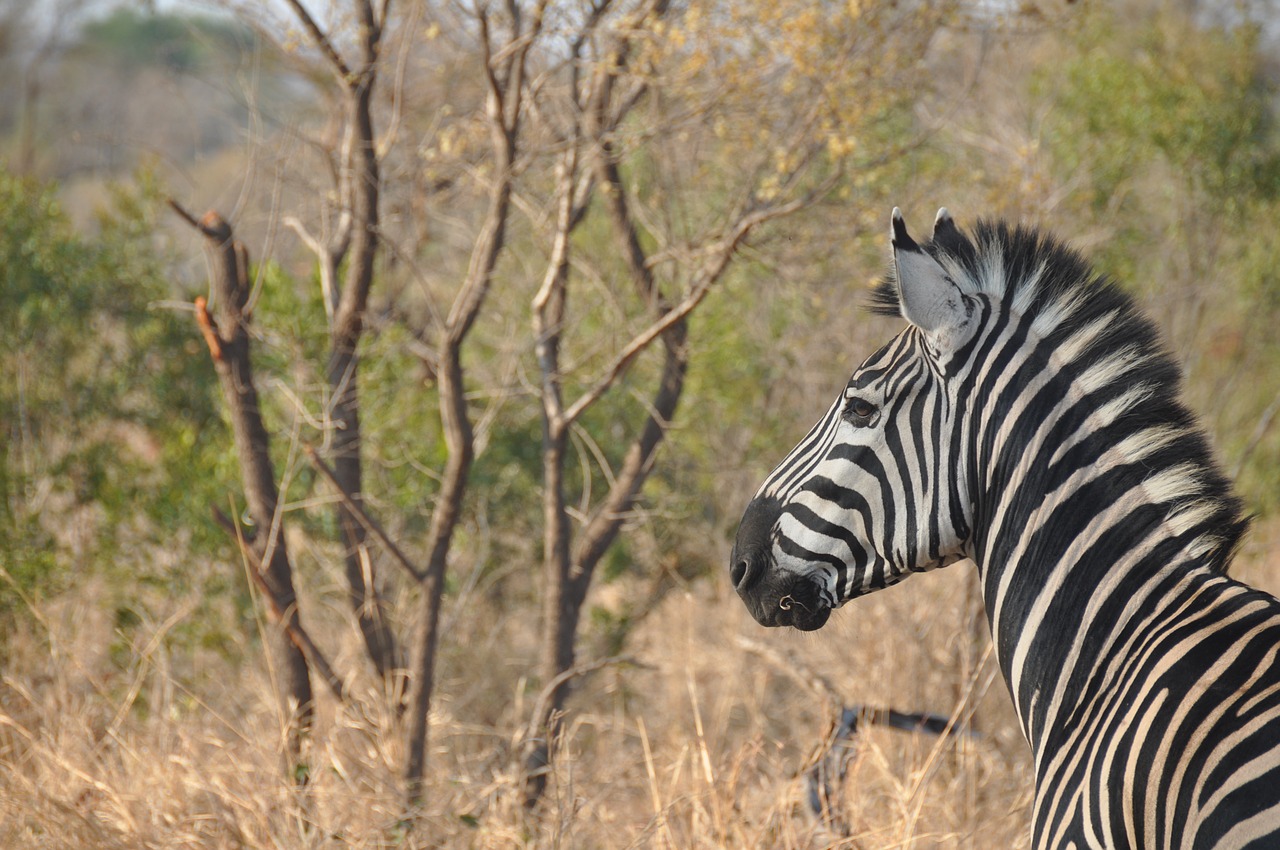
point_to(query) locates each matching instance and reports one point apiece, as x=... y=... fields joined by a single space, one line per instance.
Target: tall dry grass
x=701 y=740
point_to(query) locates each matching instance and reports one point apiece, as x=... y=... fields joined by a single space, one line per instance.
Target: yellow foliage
x=790 y=74
x=841 y=146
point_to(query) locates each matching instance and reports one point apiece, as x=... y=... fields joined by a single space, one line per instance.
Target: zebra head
x=877 y=489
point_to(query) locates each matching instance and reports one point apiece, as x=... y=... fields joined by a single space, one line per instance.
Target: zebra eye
x=860 y=410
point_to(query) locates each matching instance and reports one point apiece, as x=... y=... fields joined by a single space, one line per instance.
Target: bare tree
x=574 y=112
x=504 y=66
x=353 y=240
x=227 y=336
x=602 y=92
x=347 y=246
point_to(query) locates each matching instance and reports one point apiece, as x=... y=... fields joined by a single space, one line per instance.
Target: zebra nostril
x=751 y=559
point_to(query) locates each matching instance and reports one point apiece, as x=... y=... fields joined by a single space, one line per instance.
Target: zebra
x=1029 y=419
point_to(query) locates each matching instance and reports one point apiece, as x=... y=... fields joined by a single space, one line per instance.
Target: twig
x=632 y=350
x=530 y=731
x=370 y=524
x=324 y=257
x=208 y=328
x=796 y=669
x=204 y=225
x=321 y=41
x=297 y=634
x=1259 y=432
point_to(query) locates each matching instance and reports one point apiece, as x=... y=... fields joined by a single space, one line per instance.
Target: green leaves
x=101 y=409
x=1165 y=128
x=1164 y=88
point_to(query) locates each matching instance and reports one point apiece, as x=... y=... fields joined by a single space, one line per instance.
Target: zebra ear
x=944 y=225
x=930 y=300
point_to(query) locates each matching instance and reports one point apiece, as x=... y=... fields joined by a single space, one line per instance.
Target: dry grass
x=704 y=743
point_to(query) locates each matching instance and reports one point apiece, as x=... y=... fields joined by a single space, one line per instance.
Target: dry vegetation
x=696 y=740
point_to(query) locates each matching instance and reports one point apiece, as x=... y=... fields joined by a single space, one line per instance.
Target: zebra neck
x=1073 y=524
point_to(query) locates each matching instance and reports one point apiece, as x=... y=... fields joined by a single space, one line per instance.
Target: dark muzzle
x=773 y=596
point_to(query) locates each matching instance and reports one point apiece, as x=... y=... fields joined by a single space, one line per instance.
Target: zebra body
x=1029 y=419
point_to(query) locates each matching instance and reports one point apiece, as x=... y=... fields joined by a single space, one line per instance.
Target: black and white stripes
x=1029 y=419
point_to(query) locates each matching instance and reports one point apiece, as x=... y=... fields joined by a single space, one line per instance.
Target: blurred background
x=598 y=266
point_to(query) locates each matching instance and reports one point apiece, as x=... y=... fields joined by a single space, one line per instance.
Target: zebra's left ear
x=930 y=299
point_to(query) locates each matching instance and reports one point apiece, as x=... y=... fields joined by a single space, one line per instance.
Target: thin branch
x=794 y=667
x=321 y=41
x=537 y=718
x=1259 y=432
x=185 y=215
x=323 y=256
x=392 y=131
x=370 y=524
x=632 y=350
x=493 y=101
x=202 y=225
x=292 y=626
x=548 y=303
x=723 y=252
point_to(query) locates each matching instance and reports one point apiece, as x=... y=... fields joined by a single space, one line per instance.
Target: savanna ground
x=139 y=701
x=701 y=741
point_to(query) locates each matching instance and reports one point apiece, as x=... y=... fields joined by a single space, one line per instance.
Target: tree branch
x=279 y=613
x=321 y=41
x=190 y=219
x=537 y=716
x=494 y=90
x=549 y=302
x=370 y=524
x=633 y=349
x=208 y=328
x=325 y=260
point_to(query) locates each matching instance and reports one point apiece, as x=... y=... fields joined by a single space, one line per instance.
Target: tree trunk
x=570 y=575
x=228 y=341
x=461 y=444
x=348 y=325
x=504 y=77
x=559 y=606
x=365 y=597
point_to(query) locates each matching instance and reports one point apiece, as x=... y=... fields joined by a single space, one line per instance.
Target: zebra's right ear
x=929 y=299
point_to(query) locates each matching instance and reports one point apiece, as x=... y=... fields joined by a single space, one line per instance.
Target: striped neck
x=1092 y=489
